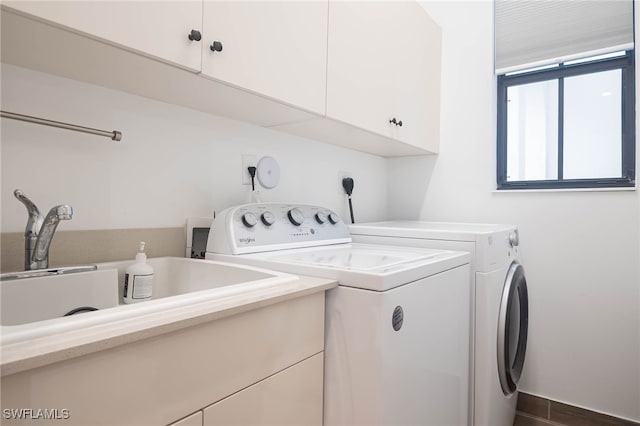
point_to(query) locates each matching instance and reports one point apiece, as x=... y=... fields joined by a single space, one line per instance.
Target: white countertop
x=122 y=329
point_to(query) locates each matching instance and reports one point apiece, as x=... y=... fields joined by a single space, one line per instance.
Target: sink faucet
x=39 y=231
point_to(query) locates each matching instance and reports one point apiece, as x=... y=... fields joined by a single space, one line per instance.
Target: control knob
x=249 y=220
x=334 y=218
x=296 y=216
x=321 y=218
x=268 y=218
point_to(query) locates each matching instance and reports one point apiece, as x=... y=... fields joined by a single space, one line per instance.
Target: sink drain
x=80 y=310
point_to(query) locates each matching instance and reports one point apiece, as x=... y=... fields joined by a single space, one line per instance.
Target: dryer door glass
x=512 y=328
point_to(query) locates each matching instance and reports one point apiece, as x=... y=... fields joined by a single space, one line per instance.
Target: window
x=566 y=93
x=568 y=125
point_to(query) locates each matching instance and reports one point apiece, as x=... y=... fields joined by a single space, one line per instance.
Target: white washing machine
x=397 y=326
x=499 y=304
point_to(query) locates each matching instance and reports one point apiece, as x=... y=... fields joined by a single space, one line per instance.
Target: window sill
x=626 y=188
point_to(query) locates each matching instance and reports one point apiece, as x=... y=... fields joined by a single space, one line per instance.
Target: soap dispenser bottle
x=138 y=279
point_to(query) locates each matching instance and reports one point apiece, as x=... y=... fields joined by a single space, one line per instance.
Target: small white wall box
x=268 y=172
x=197 y=236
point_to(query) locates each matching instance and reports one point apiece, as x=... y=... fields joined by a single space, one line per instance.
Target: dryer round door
x=513 y=323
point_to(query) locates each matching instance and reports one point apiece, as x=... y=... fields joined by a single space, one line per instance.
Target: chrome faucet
x=39 y=231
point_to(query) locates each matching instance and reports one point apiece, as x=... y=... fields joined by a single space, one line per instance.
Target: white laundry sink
x=35 y=307
x=174 y=276
x=28 y=300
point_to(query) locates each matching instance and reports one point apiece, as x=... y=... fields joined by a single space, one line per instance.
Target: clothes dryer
x=499 y=308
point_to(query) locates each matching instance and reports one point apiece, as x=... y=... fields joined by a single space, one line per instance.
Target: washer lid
x=367 y=266
x=355 y=258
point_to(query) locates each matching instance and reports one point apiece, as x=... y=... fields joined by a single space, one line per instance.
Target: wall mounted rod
x=113 y=135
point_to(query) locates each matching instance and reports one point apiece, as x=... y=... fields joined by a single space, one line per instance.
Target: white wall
x=172 y=162
x=581 y=249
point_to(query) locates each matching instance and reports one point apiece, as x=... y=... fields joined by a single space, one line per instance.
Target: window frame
x=626 y=64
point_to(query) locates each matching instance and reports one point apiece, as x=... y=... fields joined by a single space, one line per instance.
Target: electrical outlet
x=248 y=160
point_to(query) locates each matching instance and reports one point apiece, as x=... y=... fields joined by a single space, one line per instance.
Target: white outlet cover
x=268 y=172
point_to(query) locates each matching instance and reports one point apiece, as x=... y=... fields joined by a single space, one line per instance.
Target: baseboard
x=537 y=411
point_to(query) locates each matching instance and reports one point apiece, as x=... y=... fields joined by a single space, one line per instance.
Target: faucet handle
x=35 y=217
x=21 y=196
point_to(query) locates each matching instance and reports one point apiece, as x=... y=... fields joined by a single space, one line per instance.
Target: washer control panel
x=252 y=228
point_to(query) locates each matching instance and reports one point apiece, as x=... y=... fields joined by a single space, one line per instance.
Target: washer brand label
x=247 y=240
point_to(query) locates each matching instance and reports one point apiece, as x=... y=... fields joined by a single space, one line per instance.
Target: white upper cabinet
x=384 y=69
x=359 y=74
x=275 y=48
x=159 y=29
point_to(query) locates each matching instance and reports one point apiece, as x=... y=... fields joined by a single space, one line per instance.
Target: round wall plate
x=268 y=172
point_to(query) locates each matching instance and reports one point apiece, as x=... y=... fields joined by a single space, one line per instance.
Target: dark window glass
x=568 y=126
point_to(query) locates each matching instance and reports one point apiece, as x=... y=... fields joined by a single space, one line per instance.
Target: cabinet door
x=290 y=397
x=159 y=29
x=384 y=63
x=274 y=48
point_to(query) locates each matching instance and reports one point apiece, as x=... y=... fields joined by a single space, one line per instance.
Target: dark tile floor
x=536 y=411
x=524 y=420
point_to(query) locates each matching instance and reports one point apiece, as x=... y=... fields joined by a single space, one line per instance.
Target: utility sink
x=41 y=298
x=36 y=307
x=174 y=276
